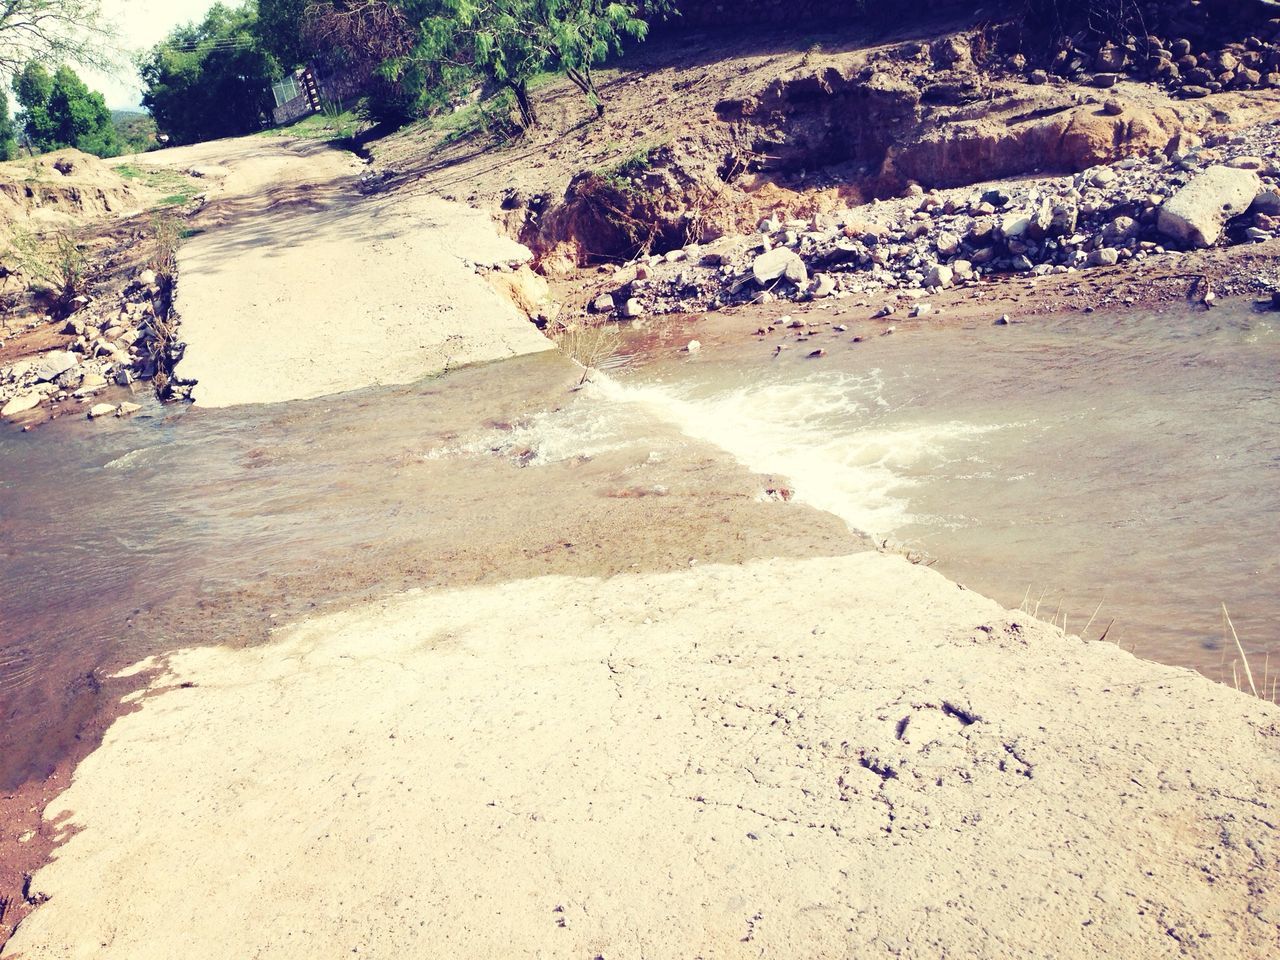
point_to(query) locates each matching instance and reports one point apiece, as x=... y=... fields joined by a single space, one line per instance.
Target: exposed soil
x=707 y=133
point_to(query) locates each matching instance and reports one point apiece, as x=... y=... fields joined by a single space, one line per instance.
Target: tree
x=54 y=32
x=211 y=79
x=80 y=116
x=509 y=42
x=433 y=50
x=360 y=38
x=280 y=30
x=61 y=111
x=34 y=89
x=8 y=130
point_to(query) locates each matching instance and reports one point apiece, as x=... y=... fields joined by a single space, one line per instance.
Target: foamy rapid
x=821 y=433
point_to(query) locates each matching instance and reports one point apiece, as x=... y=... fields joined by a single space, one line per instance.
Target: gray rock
x=1106 y=257
x=1196 y=214
x=1015 y=226
x=1102 y=177
x=632 y=309
x=21 y=404
x=1120 y=231
x=778 y=263
x=824 y=285
x=940 y=276
x=1066 y=216
x=603 y=304
x=1268 y=202
x=101 y=410
x=1111 y=58
x=54 y=363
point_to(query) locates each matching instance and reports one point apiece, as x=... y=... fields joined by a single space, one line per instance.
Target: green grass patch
x=492 y=118
x=624 y=170
x=177 y=188
x=330 y=124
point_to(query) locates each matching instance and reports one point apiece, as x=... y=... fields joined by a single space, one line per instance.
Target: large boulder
x=55 y=363
x=1196 y=214
x=778 y=263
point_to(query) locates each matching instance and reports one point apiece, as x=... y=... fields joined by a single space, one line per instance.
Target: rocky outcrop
x=1196 y=214
x=930 y=240
x=1048 y=137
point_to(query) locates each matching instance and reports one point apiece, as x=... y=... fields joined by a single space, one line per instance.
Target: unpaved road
x=297 y=286
x=823 y=758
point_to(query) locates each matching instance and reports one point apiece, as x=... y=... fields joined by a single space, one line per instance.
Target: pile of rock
x=106 y=346
x=1132 y=210
x=1192 y=64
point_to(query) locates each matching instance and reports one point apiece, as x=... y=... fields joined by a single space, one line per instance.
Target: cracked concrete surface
x=846 y=757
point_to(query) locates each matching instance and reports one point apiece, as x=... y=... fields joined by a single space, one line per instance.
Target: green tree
x=211 y=79
x=80 y=116
x=34 y=88
x=433 y=50
x=61 y=111
x=280 y=30
x=509 y=42
x=8 y=130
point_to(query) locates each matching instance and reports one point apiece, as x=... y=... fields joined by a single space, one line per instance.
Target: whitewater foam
x=823 y=433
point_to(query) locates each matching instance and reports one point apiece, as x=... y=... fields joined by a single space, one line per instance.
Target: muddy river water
x=1128 y=465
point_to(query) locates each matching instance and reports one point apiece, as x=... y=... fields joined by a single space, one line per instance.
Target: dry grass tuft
x=594 y=347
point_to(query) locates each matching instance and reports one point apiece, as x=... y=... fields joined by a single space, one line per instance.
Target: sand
x=297 y=286
x=819 y=758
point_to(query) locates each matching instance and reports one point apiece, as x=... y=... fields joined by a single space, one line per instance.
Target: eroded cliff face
x=864 y=123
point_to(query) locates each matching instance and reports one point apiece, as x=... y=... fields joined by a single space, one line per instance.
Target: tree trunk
x=585 y=82
x=528 y=116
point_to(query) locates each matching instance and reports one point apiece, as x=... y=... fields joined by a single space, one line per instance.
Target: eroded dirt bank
x=788 y=758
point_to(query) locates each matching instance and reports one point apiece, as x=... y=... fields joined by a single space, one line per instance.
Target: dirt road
x=296 y=285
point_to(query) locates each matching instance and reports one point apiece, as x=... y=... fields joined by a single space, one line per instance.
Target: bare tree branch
x=55 y=32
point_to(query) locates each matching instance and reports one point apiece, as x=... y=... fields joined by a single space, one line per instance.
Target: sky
x=141 y=24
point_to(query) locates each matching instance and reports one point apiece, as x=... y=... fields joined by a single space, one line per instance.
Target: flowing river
x=1118 y=471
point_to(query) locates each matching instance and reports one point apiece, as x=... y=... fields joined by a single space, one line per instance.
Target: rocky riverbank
x=1221 y=193
x=104 y=349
